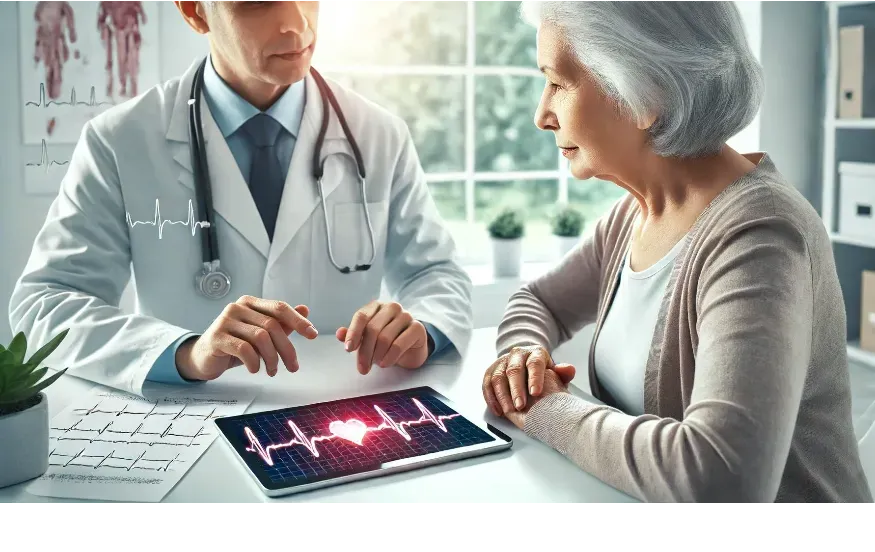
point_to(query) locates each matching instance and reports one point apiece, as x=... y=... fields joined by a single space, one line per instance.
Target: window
x=464 y=77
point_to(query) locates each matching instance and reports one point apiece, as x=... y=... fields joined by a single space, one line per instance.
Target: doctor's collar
x=231 y=111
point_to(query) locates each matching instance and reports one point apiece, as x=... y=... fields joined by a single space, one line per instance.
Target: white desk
x=529 y=472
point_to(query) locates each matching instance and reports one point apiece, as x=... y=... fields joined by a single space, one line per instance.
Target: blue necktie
x=266 y=178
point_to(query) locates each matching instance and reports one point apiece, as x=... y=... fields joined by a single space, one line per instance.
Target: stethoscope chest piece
x=212 y=281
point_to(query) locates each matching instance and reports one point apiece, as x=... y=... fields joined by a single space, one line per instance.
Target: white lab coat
x=87 y=251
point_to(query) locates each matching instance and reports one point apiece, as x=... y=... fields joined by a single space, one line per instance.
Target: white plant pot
x=507 y=257
x=564 y=244
x=24 y=443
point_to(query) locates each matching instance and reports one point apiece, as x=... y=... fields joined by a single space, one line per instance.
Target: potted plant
x=24 y=412
x=506 y=231
x=567 y=226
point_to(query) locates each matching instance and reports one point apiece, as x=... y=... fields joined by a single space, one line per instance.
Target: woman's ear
x=647 y=121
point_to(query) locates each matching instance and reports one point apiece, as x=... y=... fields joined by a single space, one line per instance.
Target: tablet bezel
x=501 y=442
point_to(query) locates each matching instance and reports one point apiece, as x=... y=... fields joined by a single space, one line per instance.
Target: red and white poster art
x=80 y=58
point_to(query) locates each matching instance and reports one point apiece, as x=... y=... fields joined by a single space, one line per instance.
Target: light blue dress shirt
x=230 y=112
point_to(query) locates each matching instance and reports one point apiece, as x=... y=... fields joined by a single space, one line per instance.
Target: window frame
x=470 y=176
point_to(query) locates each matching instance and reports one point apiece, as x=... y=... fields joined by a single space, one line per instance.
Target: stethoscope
x=213 y=281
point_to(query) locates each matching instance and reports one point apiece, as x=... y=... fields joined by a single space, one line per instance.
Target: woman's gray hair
x=686 y=63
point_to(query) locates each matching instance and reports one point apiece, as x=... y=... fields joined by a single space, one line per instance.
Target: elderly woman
x=719 y=354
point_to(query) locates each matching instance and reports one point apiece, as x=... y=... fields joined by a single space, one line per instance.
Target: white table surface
x=529 y=472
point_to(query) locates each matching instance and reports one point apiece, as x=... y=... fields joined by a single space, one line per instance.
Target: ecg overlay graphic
x=158 y=221
x=352 y=435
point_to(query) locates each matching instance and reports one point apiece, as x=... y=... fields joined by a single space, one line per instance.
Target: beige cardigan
x=746 y=389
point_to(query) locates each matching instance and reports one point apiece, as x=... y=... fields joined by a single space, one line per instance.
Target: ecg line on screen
x=92 y=99
x=44 y=160
x=352 y=430
x=159 y=222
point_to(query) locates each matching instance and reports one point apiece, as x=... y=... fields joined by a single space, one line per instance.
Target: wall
x=793 y=46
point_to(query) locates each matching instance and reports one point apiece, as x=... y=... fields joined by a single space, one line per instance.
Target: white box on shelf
x=857 y=200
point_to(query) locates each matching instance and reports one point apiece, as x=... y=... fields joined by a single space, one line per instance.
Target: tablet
x=317 y=445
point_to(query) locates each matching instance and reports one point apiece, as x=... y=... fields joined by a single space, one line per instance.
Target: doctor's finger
x=279 y=337
x=360 y=320
x=403 y=343
x=282 y=311
x=260 y=340
x=239 y=349
x=389 y=335
x=369 y=341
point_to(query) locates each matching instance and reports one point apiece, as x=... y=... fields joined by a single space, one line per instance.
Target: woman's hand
x=516 y=377
x=555 y=381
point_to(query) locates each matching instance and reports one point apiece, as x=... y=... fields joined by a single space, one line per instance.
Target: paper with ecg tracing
x=110 y=445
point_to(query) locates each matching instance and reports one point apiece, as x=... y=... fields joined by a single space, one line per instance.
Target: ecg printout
x=111 y=445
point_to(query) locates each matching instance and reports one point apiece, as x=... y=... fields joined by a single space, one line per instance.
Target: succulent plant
x=507 y=225
x=20 y=381
x=568 y=222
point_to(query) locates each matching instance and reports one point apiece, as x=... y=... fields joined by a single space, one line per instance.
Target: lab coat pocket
x=350 y=236
x=335 y=296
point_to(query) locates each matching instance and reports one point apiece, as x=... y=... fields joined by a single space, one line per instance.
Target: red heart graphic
x=353 y=431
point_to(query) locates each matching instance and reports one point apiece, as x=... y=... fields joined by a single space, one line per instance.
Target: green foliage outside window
x=505 y=136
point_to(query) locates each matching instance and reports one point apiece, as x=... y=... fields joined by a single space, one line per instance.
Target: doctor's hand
x=247 y=331
x=385 y=334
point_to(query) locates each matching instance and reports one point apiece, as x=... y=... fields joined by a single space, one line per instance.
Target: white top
x=623 y=344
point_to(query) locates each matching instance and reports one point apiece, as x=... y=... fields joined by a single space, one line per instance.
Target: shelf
x=852 y=3
x=852 y=240
x=856 y=354
x=853 y=123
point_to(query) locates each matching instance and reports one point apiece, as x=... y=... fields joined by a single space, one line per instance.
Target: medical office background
x=464 y=77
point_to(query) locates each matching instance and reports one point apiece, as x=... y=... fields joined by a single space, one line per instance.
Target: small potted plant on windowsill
x=567 y=227
x=507 y=230
x=24 y=411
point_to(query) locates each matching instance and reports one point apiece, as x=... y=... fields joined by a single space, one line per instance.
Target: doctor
x=205 y=193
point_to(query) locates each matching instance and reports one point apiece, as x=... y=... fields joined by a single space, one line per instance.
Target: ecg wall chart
x=44 y=174
x=78 y=59
x=116 y=446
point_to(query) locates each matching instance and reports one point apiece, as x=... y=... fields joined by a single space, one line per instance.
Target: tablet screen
x=299 y=445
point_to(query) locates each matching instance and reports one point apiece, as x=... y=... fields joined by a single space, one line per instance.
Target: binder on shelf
x=851 y=67
x=856 y=81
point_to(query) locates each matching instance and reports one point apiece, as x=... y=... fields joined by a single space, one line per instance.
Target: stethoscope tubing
x=200 y=168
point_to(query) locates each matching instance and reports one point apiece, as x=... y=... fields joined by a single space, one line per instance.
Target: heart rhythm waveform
x=73 y=102
x=112 y=461
x=352 y=430
x=160 y=222
x=44 y=162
